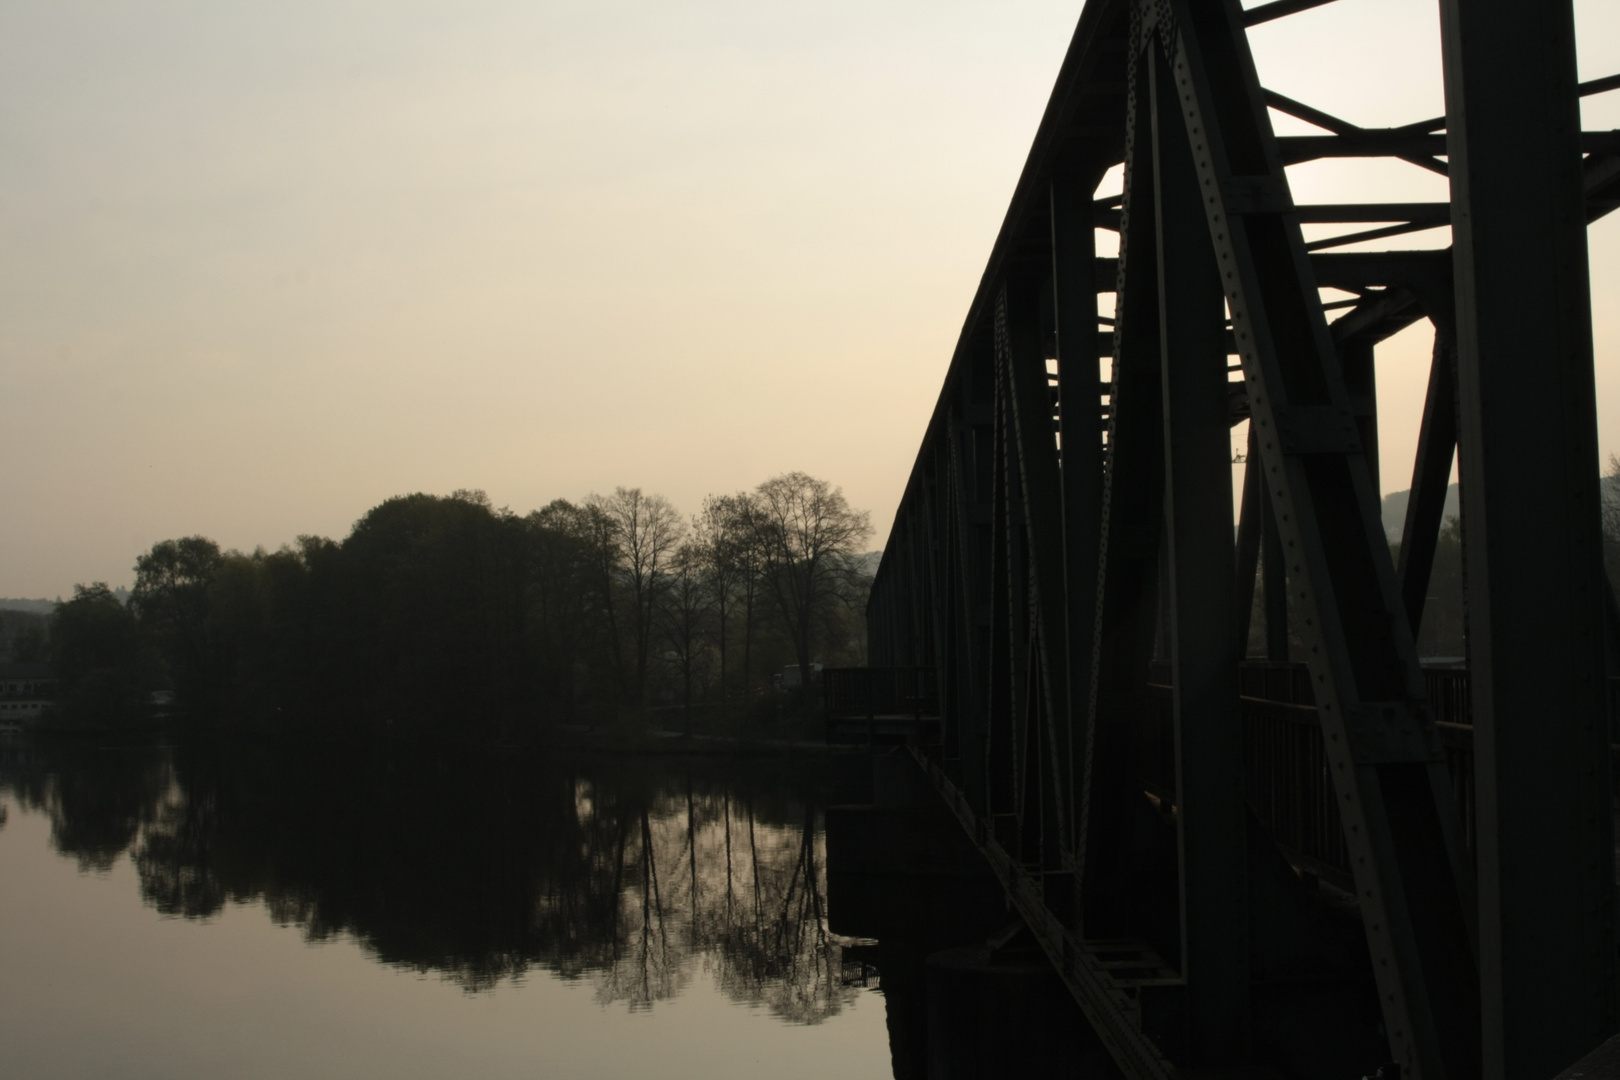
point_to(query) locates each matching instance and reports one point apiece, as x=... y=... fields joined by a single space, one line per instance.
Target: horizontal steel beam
x=1278 y=9
x=1429 y=214
x=1433 y=213
x=1400 y=142
x=1347 y=270
x=1364 y=142
x=1598 y=86
x=1373 y=234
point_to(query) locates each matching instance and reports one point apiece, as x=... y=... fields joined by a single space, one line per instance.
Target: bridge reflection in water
x=1327 y=860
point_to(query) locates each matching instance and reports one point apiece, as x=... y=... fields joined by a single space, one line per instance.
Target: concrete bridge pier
x=967 y=991
x=999 y=1010
x=899 y=867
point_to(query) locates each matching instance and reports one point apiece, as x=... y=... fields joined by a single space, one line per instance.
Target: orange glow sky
x=267 y=264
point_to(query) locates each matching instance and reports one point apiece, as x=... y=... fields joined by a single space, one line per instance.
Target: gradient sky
x=265 y=265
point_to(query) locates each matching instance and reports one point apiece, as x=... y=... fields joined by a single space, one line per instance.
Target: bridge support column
x=1211 y=825
x=1533 y=560
x=1003 y=1012
x=899 y=865
x=1128 y=587
x=1074 y=291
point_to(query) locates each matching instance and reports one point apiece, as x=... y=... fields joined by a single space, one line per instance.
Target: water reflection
x=479 y=866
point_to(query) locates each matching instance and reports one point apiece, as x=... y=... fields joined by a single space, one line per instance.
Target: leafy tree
x=571 y=601
x=432 y=597
x=30 y=645
x=171 y=601
x=259 y=632
x=24 y=635
x=100 y=658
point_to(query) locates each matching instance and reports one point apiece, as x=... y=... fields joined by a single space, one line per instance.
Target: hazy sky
x=266 y=264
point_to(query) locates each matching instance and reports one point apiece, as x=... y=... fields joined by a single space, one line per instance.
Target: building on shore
x=26 y=691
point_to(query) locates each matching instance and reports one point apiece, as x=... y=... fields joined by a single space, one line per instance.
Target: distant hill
x=47 y=607
x=14 y=623
x=36 y=607
x=1394 y=512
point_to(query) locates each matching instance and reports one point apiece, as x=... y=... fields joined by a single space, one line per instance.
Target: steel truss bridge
x=1310 y=865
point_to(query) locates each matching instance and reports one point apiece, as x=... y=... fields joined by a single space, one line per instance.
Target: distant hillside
x=32 y=626
x=36 y=607
x=1394 y=511
x=47 y=607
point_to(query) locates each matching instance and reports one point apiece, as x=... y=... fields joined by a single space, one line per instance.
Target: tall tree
x=432 y=599
x=808 y=538
x=572 y=599
x=648 y=530
x=724 y=543
x=171 y=601
x=684 y=616
x=750 y=578
x=99 y=655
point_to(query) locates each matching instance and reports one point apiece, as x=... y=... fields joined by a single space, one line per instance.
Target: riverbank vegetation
x=447 y=612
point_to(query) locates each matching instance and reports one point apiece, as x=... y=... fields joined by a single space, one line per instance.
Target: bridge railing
x=1285 y=763
x=880 y=705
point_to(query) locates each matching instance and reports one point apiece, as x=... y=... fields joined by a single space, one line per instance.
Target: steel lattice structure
x=1067 y=564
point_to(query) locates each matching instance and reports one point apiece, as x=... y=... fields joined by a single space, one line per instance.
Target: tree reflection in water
x=476 y=865
x=98 y=806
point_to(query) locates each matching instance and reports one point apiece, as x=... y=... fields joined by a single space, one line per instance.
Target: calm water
x=249 y=909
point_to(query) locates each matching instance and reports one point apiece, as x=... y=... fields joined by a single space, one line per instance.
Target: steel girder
x=1066 y=545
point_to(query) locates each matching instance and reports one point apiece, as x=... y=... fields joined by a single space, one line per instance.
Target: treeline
x=447 y=610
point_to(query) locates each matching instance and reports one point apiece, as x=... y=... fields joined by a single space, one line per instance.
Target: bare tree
x=600 y=534
x=808 y=538
x=646 y=530
x=750 y=577
x=725 y=542
x=684 y=615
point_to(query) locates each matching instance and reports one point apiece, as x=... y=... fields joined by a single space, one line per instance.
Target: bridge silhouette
x=1059 y=626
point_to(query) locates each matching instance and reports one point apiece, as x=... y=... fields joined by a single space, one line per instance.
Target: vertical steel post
x=1133 y=508
x=1431 y=475
x=1041 y=497
x=1210 y=817
x=1074 y=292
x=1528 y=459
x=976 y=466
x=1383 y=751
x=1360 y=380
x=1275 y=588
x=1248 y=550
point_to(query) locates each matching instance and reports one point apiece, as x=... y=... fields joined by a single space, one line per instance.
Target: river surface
x=249 y=908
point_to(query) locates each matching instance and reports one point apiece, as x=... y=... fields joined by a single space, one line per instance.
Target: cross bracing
x=1189 y=832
